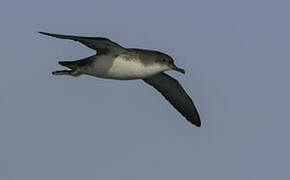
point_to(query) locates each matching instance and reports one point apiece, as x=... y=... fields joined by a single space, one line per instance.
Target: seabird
x=113 y=61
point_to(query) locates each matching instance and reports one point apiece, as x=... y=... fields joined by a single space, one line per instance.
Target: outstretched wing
x=175 y=94
x=101 y=45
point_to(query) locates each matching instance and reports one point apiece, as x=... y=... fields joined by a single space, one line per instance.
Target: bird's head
x=168 y=62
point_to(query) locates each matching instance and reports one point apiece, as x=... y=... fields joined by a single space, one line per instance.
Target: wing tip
x=197 y=124
x=195 y=121
x=44 y=33
x=49 y=34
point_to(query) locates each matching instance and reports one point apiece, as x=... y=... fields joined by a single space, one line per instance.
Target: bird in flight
x=113 y=61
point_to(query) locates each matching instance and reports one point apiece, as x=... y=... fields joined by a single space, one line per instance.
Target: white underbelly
x=123 y=69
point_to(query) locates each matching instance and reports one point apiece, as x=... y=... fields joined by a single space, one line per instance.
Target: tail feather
x=78 y=63
x=69 y=64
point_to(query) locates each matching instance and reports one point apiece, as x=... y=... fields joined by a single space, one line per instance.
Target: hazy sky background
x=236 y=54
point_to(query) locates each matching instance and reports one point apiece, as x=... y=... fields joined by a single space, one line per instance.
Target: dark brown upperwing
x=100 y=44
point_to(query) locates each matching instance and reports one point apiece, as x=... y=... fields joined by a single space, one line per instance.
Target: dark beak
x=175 y=68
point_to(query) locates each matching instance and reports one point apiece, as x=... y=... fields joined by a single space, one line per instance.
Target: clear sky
x=236 y=55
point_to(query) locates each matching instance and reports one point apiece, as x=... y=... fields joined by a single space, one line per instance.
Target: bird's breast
x=123 y=68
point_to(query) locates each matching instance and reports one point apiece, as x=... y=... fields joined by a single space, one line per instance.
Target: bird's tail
x=73 y=65
x=78 y=63
x=69 y=64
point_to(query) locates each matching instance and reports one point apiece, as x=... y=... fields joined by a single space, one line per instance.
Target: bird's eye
x=163 y=60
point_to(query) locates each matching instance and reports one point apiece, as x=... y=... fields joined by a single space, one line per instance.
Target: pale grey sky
x=236 y=55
